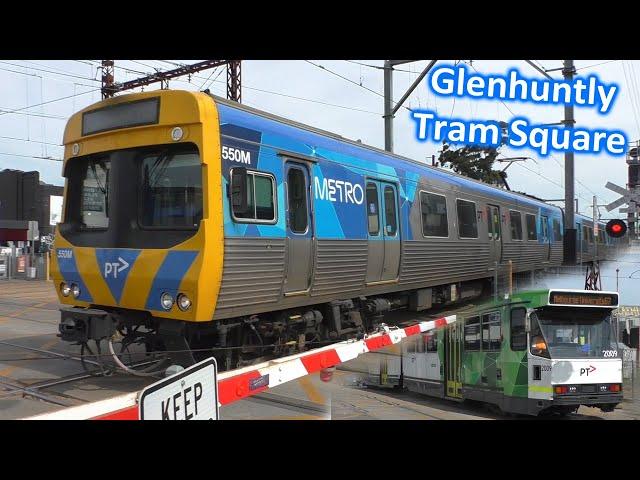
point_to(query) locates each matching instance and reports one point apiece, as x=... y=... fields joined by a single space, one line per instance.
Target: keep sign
x=191 y=394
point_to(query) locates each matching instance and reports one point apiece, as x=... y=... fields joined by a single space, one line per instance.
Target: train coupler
x=84 y=324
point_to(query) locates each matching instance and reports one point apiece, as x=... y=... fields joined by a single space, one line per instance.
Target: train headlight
x=75 y=289
x=75 y=149
x=65 y=289
x=184 y=302
x=166 y=300
x=176 y=134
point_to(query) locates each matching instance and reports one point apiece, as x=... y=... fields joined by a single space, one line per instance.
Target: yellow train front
x=140 y=245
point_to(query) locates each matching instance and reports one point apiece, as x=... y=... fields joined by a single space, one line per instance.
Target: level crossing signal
x=616 y=228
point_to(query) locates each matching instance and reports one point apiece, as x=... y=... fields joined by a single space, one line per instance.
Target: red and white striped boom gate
x=237 y=384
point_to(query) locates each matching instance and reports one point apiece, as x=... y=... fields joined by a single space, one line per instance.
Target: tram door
x=546 y=238
x=384 y=232
x=453 y=360
x=299 y=230
x=495 y=235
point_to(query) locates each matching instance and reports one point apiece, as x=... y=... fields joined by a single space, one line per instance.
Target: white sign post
x=191 y=394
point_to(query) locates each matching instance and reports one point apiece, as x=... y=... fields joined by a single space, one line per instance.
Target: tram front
x=574 y=356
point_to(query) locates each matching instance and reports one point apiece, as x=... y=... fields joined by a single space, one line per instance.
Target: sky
x=344 y=97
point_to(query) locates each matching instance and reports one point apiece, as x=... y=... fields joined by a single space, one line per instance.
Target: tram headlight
x=166 y=300
x=184 y=302
x=75 y=289
x=65 y=289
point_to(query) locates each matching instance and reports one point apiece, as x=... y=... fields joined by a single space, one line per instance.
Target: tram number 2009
x=610 y=353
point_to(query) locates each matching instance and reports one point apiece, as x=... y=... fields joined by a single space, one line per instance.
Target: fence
x=24 y=266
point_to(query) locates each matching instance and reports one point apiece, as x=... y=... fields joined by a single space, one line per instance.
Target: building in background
x=23 y=197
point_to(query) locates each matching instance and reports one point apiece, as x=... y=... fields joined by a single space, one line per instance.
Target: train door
x=495 y=235
x=453 y=360
x=384 y=235
x=299 y=229
x=546 y=238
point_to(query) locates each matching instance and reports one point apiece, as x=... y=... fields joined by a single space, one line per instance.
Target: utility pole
x=389 y=109
x=569 y=186
x=633 y=160
x=388 y=106
x=233 y=81
x=107 y=79
x=109 y=88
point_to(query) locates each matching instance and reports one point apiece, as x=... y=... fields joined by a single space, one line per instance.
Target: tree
x=473 y=161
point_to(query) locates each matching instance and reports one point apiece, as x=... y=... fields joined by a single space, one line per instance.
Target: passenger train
x=191 y=223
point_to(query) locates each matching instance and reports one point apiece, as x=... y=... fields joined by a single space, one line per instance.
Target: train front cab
x=142 y=206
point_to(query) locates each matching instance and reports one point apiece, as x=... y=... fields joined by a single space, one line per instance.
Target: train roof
x=323 y=139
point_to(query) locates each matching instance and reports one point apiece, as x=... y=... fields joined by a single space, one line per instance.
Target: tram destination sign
x=583 y=299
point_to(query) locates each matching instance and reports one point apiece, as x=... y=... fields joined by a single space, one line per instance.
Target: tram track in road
x=305 y=407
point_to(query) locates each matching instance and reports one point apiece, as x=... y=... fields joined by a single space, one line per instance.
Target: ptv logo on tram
x=587 y=370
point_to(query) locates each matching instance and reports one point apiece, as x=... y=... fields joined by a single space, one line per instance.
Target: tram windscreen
x=576 y=333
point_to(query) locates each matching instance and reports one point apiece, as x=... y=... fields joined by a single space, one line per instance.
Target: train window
x=515 y=219
x=600 y=236
x=171 y=189
x=372 y=209
x=557 y=233
x=390 y=211
x=491 y=331
x=297 y=197
x=472 y=334
x=532 y=233
x=518 y=329
x=544 y=223
x=585 y=233
x=590 y=235
x=94 y=199
x=467 y=220
x=260 y=199
x=434 y=215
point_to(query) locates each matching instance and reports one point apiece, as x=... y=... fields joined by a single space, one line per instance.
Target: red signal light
x=616 y=228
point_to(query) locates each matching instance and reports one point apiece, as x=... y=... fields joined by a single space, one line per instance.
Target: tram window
x=515 y=219
x=491 y=331
x=472 y=334
x=411 y=345
x=434 y=215
x=430 y=343
x=532 y=233
x=261 y=199
x=467 y=219
x=390 y=211
x=297 y=196
x=94 y=198
x=171 y=189
x=518 y=330
x=557 y=233
x=372 y=209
